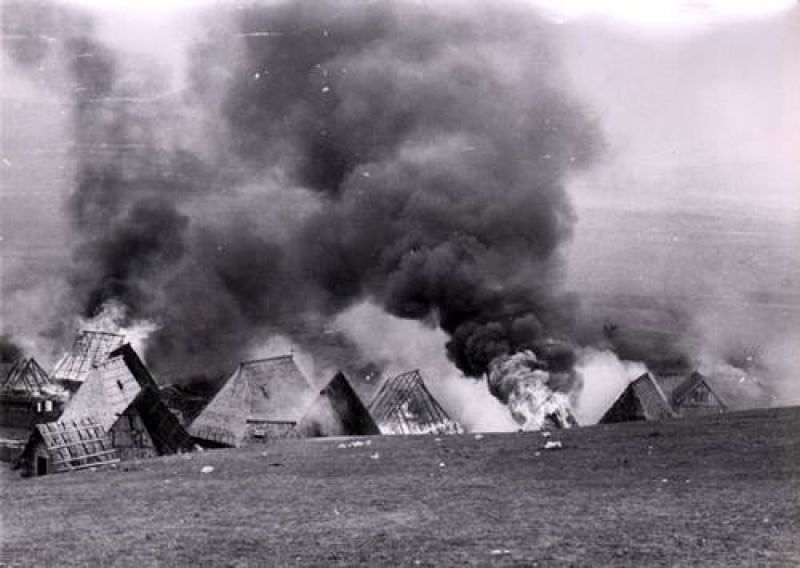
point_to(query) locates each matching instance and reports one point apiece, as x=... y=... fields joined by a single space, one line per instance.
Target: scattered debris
x=355 y=444
x=553 y=445
x=207 y=469
x=546 y=433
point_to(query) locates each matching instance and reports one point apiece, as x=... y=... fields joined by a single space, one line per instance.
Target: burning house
x=261 y=400
x=120 y=406
x=536 y=389
x=404 y=405
x=337 y=411
x=89 y=349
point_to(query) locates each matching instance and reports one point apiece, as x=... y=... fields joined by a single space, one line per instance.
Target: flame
x=112 y=317
x=522 y=383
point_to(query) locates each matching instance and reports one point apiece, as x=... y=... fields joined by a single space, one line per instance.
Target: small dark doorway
x=41 y=465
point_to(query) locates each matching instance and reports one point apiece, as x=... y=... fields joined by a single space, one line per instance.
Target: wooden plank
x=86 y=457
x=72 y=444
x=95 y=464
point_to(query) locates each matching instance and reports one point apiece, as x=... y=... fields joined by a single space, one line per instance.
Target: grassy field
x=721 y=491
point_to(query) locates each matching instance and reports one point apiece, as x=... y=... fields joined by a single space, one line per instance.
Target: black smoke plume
x=438 y=144
x=10 y=352
x=322 y=154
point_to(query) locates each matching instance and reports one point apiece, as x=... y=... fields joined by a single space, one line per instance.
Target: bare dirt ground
x=722 y=491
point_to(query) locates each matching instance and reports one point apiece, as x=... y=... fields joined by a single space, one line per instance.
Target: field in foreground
x=722 y=491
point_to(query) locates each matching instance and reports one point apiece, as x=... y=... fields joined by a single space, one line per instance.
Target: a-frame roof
x=642 y=399
x=338 y=411
x=28 y=377
x=262 y=390
x=89 y=349
x=693 y=381
x=731 y=388
x=278 y=389
x=404 y=405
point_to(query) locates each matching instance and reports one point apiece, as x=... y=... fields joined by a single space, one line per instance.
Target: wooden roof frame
x=395 y=392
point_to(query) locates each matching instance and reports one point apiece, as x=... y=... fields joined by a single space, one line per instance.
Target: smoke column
x=323 y=154
x=437 y=146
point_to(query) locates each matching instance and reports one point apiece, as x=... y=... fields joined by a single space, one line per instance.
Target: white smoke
x=112 y=317
x=400 y=345
x=605 y=376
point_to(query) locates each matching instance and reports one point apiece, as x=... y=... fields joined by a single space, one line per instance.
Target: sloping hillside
x=721 y=491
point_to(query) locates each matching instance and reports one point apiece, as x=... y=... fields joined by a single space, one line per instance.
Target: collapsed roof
x=404 y=405
x=71 y=445
x=122 y=386
x=89 y=349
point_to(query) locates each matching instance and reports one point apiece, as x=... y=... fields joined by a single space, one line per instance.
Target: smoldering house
x=651 y=397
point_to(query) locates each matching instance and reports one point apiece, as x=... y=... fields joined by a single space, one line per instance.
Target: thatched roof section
x=404 y=405
x=264 y=390
x=108 y=390
x=642 y=399
x=338 y=411
x=90 y=349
